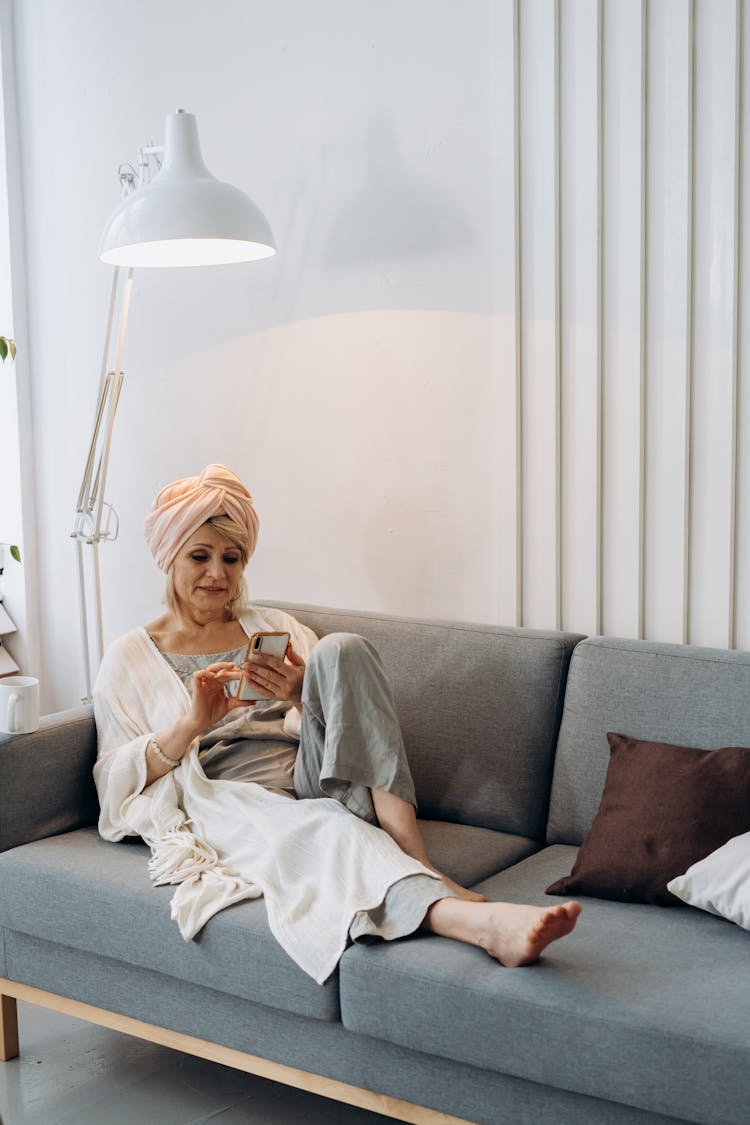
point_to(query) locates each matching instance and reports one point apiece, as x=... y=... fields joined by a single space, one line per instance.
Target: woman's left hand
x=276 y=677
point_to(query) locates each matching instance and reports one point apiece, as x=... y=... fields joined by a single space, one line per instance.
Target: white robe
x=223 y=841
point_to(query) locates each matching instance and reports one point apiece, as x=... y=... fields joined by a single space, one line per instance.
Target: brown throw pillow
x=663 y=808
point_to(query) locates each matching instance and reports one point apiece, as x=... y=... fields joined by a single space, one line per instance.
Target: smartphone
x=273 y=643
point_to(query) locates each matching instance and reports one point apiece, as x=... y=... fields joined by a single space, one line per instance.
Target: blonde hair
x=237 y=534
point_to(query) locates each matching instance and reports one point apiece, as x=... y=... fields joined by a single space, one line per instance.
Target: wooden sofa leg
x=8 y=1028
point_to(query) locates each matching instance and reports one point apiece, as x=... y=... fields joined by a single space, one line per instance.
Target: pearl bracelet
x=171 y=762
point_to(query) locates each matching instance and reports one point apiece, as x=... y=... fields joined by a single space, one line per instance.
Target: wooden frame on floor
x=11 y=992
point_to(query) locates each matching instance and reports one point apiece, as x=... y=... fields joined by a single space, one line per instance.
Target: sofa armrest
x=46 y=778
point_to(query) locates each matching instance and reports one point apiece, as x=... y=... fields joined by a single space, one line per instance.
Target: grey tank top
x=264 y=754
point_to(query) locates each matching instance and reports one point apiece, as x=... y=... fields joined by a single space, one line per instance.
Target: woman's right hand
x=210 y=703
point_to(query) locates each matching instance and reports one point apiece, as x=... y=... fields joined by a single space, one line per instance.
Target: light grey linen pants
x=350 y=739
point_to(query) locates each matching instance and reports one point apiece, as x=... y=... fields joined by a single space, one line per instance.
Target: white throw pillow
x=720 y=883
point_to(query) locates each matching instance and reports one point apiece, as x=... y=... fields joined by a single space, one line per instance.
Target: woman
x=305 y=797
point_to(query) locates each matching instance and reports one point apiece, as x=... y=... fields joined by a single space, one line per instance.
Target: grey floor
x=71 y=1073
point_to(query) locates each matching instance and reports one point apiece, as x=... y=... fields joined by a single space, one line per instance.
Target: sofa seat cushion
x=81 y=891
x=640 y=1004
x=51 y=889
x=469 y=854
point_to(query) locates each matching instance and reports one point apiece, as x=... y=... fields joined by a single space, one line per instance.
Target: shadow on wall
x=356 y=230
x=391 y=215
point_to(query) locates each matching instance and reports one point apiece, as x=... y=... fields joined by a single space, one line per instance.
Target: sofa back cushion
x=679 y=694
x=479 y=707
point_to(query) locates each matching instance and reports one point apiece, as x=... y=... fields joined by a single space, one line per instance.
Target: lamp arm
x=84 y=494
x=88 y=527
x=114 y=398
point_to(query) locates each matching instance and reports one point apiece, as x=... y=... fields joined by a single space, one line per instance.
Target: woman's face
x=207 y=571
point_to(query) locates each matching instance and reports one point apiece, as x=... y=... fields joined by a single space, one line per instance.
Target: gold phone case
x=255 y=644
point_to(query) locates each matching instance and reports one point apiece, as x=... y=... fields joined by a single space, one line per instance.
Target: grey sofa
x=642 y=1015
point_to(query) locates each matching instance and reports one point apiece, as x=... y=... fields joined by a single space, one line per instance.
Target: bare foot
x=517 y=935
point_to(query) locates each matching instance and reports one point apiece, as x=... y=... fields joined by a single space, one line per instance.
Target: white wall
x=496 y=282
x=18 y=588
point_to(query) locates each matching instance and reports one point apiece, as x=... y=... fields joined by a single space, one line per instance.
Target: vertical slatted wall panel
x=736 y=332
x=558 y=325
x=689 y=337
x=518 y=310
x=625 y=468
x=599 y=403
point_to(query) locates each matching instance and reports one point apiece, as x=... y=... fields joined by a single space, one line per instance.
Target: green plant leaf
x=7 y=345
x=15 y=553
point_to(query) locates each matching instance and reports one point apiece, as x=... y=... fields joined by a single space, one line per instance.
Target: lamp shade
x=185 y=216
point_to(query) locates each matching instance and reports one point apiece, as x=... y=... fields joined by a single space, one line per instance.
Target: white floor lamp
x=181 y=217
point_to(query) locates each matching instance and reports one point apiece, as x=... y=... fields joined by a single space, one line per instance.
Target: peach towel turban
x=181 y=507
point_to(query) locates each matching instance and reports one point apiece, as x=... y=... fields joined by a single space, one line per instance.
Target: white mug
x=19 y=704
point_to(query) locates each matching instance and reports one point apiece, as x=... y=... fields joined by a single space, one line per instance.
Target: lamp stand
x=93 y=520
